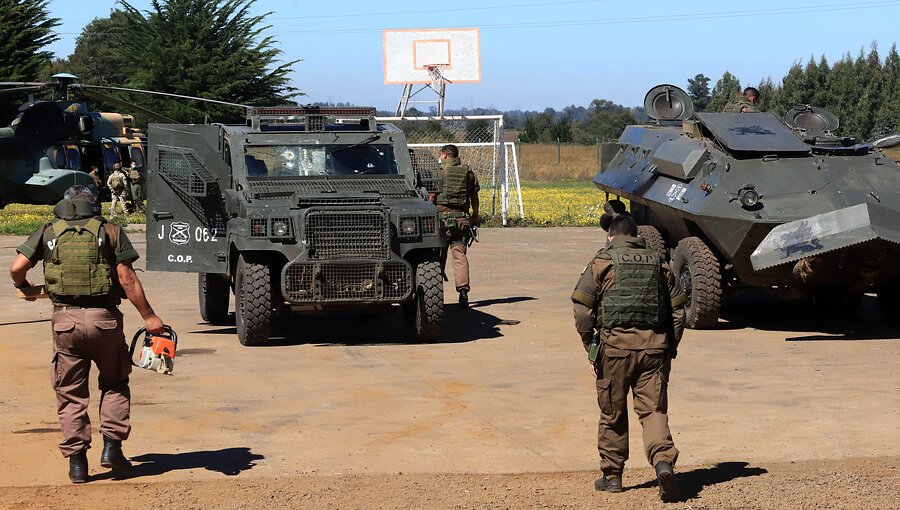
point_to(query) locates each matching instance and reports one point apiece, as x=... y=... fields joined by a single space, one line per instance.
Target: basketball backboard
x=408 y=54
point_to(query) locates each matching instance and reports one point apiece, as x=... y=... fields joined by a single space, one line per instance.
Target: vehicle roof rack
x=311 y=118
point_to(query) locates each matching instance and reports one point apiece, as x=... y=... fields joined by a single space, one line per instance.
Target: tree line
x=863 y=91
x=217 y=50
x=213 y=49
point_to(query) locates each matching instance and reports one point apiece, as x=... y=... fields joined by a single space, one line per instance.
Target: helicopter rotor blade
x=166 y=94
x=23 y=84
x=21 y=89
x=93 y=94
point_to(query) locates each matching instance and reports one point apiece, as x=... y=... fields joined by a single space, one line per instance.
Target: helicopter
x=53 y=143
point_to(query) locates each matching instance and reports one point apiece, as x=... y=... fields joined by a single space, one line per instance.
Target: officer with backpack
x=87 y=270
x=117 y=182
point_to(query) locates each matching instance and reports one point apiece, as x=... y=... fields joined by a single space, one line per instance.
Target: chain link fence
x=481 y=146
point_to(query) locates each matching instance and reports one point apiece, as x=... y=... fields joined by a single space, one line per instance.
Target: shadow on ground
x=691 y=483
x=391 y=327
x=765 y=311
x=230 y=461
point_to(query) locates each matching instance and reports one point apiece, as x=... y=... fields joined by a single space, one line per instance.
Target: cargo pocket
x=662 y=388
x=604 y=397
x=109 y=325
x=55 y=372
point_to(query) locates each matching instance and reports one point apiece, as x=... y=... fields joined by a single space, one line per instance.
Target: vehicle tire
x=429 y=299
x=252 y=302
x=697 y=268
x=214 y=290
x=654 y=239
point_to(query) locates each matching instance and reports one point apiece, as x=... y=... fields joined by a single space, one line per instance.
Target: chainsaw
x=157 y=351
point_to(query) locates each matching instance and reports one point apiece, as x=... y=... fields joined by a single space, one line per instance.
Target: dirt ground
x=780 y=407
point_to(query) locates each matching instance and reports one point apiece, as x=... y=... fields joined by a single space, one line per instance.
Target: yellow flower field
x=20 y=219
x=546 y=204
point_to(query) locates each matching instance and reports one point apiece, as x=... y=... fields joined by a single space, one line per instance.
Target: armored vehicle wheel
x=252 y=302
x=653 y=239
x=698 y=269
x=214 y=292
x=429 y=301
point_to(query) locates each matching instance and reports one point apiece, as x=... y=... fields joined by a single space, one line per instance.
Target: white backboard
x=408 y=52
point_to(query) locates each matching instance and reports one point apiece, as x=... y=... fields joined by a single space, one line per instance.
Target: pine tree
x=207 y=48
x=698 y=89
x=726 y=89
x=26 y=28
x=887 y=116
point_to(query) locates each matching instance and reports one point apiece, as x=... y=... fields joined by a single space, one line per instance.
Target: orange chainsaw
x=157 y=352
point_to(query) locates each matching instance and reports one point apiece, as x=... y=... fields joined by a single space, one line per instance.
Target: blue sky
x=537 y=54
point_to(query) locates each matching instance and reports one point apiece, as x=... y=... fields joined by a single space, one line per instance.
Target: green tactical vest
x=635 y=299
x=453 y=191
x=117 y=180
x=75 y=265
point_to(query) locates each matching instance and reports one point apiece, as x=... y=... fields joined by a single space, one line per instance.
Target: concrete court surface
x=507 y=391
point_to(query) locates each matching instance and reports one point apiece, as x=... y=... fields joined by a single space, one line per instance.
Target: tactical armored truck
x=304 y=209
x=751 y=199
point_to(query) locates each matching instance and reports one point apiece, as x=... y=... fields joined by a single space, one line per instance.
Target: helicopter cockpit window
x=137 y=155
x=300 y=161
x=110 y=157
x=73 y=158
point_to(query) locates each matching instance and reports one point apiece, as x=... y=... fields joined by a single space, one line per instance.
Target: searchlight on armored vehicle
x=753 y=200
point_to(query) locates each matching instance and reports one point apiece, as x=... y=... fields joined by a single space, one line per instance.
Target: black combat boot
x=78 y=467
x=609 y=483
x=464 y=298
x=668 y=487
x=112 y=456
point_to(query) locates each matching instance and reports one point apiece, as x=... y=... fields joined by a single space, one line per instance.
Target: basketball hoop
x=436 y=75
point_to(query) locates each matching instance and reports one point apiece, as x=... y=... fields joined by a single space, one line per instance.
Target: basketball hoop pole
x=438 y=85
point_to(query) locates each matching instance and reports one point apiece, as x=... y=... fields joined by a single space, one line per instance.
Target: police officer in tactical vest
x=87 y=270
x=747 y=102
x=459 y=191
x=633 y=302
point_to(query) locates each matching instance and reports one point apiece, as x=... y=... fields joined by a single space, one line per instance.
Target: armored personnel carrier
x=304 y=209
x=750 y=199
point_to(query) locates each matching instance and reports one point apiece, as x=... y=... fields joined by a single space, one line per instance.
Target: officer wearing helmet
x=87 y=270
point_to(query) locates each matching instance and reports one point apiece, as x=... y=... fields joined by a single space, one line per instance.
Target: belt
x=444 y=208
x=64 y=308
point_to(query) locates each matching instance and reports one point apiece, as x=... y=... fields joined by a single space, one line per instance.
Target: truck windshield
x=298 y=161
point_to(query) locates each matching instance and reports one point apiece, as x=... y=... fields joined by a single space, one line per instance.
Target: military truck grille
x=259 y=227
x=359 y=234
x=310 y=282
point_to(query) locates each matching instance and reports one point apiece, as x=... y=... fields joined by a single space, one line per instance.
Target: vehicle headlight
x=749 y=197
x=280 y=228
x=409 y=227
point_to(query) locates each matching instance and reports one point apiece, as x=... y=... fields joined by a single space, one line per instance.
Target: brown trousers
x=646 y=374
x=457 y=231
x=82 y=335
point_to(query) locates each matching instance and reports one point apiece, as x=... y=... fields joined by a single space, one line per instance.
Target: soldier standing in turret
x=87 y=271
x=748 y=102
x=635 y=305
x=458 y=192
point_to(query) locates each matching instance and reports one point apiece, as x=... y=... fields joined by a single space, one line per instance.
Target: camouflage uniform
x=639 y=320
x=136 y=181
x=86 y=327
x=117 y=183
x=453 y=203
x=741 y=105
